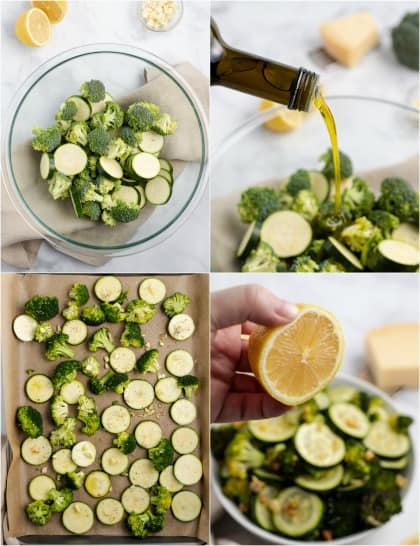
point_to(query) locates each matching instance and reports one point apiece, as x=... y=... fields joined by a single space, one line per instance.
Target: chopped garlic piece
x=157 y=14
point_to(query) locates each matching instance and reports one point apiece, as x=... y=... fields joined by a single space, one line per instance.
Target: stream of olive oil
x=324 y=109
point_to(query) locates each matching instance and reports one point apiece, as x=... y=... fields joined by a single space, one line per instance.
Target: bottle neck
x=280 y=83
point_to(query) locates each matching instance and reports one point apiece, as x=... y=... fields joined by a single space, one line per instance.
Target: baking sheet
x=18 y=357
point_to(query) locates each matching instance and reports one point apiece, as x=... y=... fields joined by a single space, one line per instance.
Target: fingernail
x=287 y=310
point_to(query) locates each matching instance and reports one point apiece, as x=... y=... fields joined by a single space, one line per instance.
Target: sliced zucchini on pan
x=110 y=168
x=249 y=241
x=40 y=486
x=330 y=479
x=275 y=429
x=78 y=518
x=72 y=391
x=317 y=444
x=122 y=360
x=183 y=412
x=179 y=362
x=98 y=484
x=84 y=110
x=151 y=142
x=306 y=515
x=167 y=479
x=62 y=462
x=143 y=473
x=108 y=288
x=36 y=451
x=109 y=511
x=341 y=253
x=287 y=232
x=407 y=233
x=385 y=442
x=167 y=390
x=24 y=327
x=76 y=330
x=83 y=453
x=139 y=394
x=396 y=256
x=158 y=191
x=39 y=388
x=184 y=440
x=188 y=469
x=135 y=499
x=148 y=434
x=186 y=506
x=349 y=419
x=181 y=327
x=115 y=418
x=114 y=462
x=46 y=166
x=260 y=510
x=152 y=290
x=70 y=159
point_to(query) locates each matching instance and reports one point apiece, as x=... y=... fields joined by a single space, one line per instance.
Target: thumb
x=241 y=406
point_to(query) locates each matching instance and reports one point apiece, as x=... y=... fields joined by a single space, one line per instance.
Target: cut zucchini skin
x=394 y=464
x=70 y=159
x=331 y=479
x=139 y=394
x=394 y=256
x=184 y=440
x=84 y=110
x=407 y=233
x=114 y=462
x=76 y=330
x=122 y=360
x=39 y=388
x=317 y=444
x=183 y=412
x=39 y=487
x=181 y=327
x=158 y=191
x=62 y=462
x=72 y=391
x=36 y=451
x=275 y=429
x=109 y=511
x=110 y=168
x=115 y=418
x=385 y=442
x=143 y=473
x=310 y=506
x=349 y=419
x=167 y=390
x=97 y=484
x=135 y=499
x=108 y=289
x=287 y=233
x=167 y=479
x=179 y=362
x=249 y=241
x=78 y=518
x=186 y=506
x=24 y=327
x=342 y=254
x=152 y=290
x=261 y=514
x=83 y=453
x=148 y=434
x=188 y=469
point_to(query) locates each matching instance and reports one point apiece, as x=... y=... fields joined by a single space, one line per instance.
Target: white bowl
x=274 y=538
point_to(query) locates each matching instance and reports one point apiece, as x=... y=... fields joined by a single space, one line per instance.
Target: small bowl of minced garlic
x=160 y=15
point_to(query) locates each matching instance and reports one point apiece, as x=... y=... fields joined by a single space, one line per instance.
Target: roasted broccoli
x=342 y=514
x=29 y=420
x=46 y=140
x=90 y=366
x=310 y=411
x=361 y=400
x=298 y=181
x=125 y=442
x=358 y=198
x=189 y=384
x=92 y=315
x=42 y=307
x=93 y=91
x=71 y=311
x=241 y=455
x=59 y=410
x=38 y=512
x=56 y=347
x=148 y=362
x=67 y=111
x=356 y=235
x=138 y=524
x=346 y=166
x=114 y=312
x=100 y=385
x=131 y=335
x=164 y=125
x=262 y=259
x=220 y=438
x=59 y=499
x=400 y=423
x=306 y=204
x=160 y=499
x=118 y=382
x=77 y=133
x=258 y=203
x=79 y=293
x=405 y=40
x=382 y=500
x=140 y=311
x=139 y=118
x=156 y=522
x=124 y=212
x=175 y=304
x=285 y=200
x=331 y=266
x=87 y=413
x=65 y=372
x=161 y=455
x=64 y=435
x=98 y=141
x=43 y=331
x=128 y=136
x=59 y=186
x=398 y=197
x=356 y=461
x=74 y=480
x=238 y=490
x=385 y=221
x=304 y=264
x=101 y=339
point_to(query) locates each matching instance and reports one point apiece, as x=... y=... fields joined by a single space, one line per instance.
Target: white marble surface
x=89 y=21
x=360 y=302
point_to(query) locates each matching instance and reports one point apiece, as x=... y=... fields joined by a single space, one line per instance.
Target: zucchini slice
x=76 y=330
x=114 y=462
x=179 y=362
x=340 y=393
x=341 y=253
x=320 y=186
x=40 y=486
x=109 y=511
x=151 y=142
x=108 y=288
x=275 y=429
x=167 y=390
x=83 y=453
x=36 y=451
x=128 y=194
x=97 y=484
x=407 y=233
x=158 y=191
x=24 y=327
x=166 y=165
x=84 y=110
x=317 y=444
x=330 y=479
x=260 y=510
x=396 y=256
x=396 y=464
x=143 y=473
x=148 y=434
x=349 y=419
x=152 y=291
x=139 y=394
x=181 y=327
x=186 y=506
x=142 y=196
x=385 y=442
x=46 y=166
x=72 y=391
x=135 y=499
x=249 y=241
x=188 y=469
x=287 y=232
x=322 y=400
x=144 y=165
x=184 y=440
x=166 y=175
x=78 y=518
x=39 y=388
x=306 y=514
x=266 y=476
x=122 y=360
x=110 y=168
x=167 y=479
x=183 y=412
x=62 y=462
x=115 y=418
x=70 y=159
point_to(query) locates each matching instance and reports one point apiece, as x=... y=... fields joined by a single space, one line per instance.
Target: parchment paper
x=18 y=357
x=227 y=228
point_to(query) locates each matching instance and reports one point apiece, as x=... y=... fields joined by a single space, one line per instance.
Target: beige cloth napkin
x=227 y=229
x=20 y=243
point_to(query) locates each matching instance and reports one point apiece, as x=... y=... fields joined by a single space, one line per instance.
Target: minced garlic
x=157 y=14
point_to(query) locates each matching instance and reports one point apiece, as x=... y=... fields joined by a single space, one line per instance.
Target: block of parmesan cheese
x=347 y=39
x=393 y=355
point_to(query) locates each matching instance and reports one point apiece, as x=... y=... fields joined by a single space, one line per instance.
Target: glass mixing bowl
x=122 y=69
x=375 y=133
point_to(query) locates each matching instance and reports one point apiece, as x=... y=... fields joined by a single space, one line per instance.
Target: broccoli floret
x=71 y=311
x=400 y=423
x=273 y=456
x=385 y=221
x=398 y=198
x=98 y=141
x=220 y=438
x=154 y=109
x=125 y=442
x=59 y=410
x=298 y=181
x=78 y=133
x=29 y=420
x=238 y=490
x=107 y=217
x=139 y=118
x=241 y=455
x=405 y=40
x=304 y=264
x=161 y=455
x=316 y=249
x=261 y=259
x=189 y=384
x=100 y=385
x=101 y=339
x=38 y=512
x=65 y=372
x=138 y=524
x=64 y=435
x=114 y=312
x=285 y=200
x=156 y=522
x=56 y=346
x=131 y=335
x=342 y=514
x=289 y=462
x=59 y=186
x=356 y=235
x=361 y=400
x=79 y=293
x=328 y=221
x=160 y=499
x=42 y=307
x=119 y=149
x=93 y=90
x=175 y=304
x=358 y=198
x=92 y=210
x=140 y=311
x=148 y=362
x=90 y=366
x=43 y=331
x=128 y=136
x=59 y=499
x=310 y=411
x=92 y=315
x=92 y=165
x=346 y=166
x=104 y=185
x=356 y=461
x=67 y=111
x=306 y=204
x=88 y=191
x=124 y=212
x=74 y=480
x=164 y=125
x=87 y=413
x=258 y=203
x=118 y=382
x=331 y=266
x=382 y=500
x=46 y=140
x=111 y=118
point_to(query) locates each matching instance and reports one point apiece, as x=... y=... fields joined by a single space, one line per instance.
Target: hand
x=235 y=394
